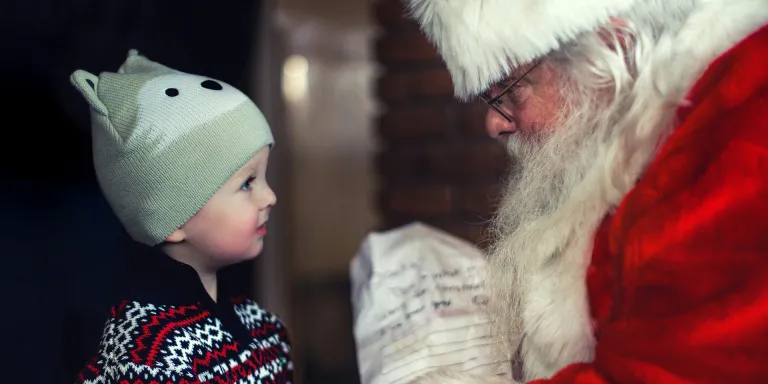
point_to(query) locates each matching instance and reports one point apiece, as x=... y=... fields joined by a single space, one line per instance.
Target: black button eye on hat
x=212 y=85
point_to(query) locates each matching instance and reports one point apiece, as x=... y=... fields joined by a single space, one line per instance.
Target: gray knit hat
x=165 y=141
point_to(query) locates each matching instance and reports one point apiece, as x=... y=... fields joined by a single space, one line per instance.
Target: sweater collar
x=157 y=278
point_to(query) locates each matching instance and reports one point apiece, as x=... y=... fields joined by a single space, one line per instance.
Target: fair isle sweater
x=168 y=330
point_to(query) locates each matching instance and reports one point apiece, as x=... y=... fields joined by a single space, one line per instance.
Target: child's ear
x=87 y=84
x=176 y=236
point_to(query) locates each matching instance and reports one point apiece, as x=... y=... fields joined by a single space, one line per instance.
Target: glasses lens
x=497 y=104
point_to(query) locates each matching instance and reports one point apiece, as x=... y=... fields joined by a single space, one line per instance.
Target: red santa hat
x=482 y=40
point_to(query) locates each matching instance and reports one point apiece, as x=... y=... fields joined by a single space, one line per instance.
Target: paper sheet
x=418 y=295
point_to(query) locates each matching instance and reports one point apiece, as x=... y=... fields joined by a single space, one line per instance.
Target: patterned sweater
x=169 y=330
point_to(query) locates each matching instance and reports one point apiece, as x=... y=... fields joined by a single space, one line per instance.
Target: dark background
x=61 y=247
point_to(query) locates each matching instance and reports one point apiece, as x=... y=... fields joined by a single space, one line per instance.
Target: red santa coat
x=678 y=282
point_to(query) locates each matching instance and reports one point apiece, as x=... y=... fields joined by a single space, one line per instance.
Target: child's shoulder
x=142 y=340
x=254 y=317
x=134 y=315
x=146 y=323
x=137 y=329
x=133 y=312
x=169 y=343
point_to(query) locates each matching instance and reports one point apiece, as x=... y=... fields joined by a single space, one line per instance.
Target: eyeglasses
x=495 y=102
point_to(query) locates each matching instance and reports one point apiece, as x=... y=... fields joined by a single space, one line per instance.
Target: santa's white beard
x=536 y=222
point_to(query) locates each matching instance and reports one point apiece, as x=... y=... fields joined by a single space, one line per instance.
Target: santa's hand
x=450 y=377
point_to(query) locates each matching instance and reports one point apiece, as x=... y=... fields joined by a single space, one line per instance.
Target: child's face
x=231 y=226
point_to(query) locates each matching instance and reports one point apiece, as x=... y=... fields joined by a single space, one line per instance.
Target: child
x=182 y=160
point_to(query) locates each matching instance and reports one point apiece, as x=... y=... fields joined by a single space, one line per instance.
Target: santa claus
x=632 y=242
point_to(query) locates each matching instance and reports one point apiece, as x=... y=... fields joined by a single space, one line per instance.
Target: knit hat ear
x=87 y=84
x=137 y=63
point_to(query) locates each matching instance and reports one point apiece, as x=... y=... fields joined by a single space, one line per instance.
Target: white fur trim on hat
x=482 y=40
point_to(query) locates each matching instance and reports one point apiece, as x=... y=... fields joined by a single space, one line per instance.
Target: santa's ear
x=87 y=83
x=617 y=35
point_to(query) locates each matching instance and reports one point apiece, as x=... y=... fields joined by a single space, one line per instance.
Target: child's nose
x=268 y=199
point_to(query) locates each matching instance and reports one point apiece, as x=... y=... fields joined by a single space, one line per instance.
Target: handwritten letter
x=419 y=296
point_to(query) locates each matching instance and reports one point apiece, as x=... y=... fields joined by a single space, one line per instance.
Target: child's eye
x=247 y=185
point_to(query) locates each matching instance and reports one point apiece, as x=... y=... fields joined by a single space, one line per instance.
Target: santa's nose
x=497 y=125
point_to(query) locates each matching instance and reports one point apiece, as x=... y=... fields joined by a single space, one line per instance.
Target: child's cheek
x=239 y=235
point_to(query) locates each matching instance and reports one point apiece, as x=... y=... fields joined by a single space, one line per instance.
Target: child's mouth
x=262 y=229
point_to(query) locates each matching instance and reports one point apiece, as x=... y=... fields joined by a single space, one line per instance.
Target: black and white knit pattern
x=144 y=343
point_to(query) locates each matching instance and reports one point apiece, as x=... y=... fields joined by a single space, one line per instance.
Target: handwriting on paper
x=428 y=295
x=420 y=295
